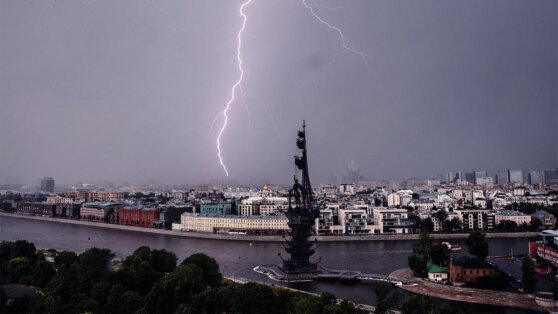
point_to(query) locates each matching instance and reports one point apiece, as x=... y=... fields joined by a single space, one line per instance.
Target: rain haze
x=128 y=91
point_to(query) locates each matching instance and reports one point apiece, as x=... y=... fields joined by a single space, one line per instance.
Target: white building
x=515 y=216
x=393 y=200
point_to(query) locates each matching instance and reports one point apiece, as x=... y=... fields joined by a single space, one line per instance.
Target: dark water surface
x=238 y=258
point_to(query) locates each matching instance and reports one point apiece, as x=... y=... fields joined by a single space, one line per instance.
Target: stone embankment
x=481 y=296
x=255 y=238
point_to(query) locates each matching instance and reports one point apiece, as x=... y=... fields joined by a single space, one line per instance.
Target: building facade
x=234 y=224
x=47 y=184
x=141 y=217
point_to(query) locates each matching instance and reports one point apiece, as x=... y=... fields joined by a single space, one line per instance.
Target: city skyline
x=126 y=92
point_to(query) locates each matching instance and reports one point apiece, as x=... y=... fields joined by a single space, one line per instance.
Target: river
x=238 y=258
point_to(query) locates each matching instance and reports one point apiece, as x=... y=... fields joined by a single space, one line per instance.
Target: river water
x=238 y=258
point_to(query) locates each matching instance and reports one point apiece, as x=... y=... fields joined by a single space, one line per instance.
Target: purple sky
x=127 y=90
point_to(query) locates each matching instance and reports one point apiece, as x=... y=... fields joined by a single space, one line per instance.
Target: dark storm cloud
x=94 y=90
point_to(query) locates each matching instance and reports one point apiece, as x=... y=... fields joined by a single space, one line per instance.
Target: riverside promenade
x=256 y=238
x=481 y=296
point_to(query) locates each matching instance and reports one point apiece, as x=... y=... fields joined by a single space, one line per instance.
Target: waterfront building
x=67 y=209
x=436 y=273
x=354 y=221
x=466 y=269
x=101 y=211
x=512 y=215
x=138 y=216
x=47 y=184
x=324 y=224
x=547 y=220
x=169 y=214
x=473 y=219
x=31 y=208
x=234 y=224
x=544 y=247
x=392 y=220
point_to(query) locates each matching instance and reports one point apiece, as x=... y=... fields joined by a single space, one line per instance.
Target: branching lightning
x=345 y=43
x=235 y=86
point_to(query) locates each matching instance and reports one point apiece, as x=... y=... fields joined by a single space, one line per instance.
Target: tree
x=209 y=266
x=178 y=287
x=42 y=274
x=528 y=277
x=424 y=245
x=65 y=259
x=93 y=265
x=440 y=254
x=19 y=270
x=535 y=225
x=417 y=265
x=427 y=225
x=385 y=297
x=452 y=225
x=441 y=215
x=418 y=304
x=7 y=207
x=477 y=244
x=507 y=226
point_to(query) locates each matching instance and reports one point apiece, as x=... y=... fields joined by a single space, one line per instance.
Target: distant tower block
x=47 y=184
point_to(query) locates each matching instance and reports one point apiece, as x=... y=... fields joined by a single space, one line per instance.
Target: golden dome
x=265 y=188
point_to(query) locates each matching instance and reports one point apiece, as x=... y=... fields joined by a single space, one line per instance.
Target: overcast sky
x=128 y=90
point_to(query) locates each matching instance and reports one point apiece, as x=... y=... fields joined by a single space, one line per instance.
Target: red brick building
x=142 y=217
x=467 y=269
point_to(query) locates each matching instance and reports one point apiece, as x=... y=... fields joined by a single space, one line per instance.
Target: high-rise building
x=352 y=175
x=502 y=177
x=470 y=177
x=550 y=176
x=535 y=177
x=453 y=177
x=480 y=175
x=515 y=176
x=47 y=184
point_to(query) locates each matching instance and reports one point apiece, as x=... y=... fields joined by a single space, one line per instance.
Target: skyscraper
x=502 y=177
x=352 y=175
x=47 y=184
x=535 y=177
x=516 y=176
x=452 y=177
x=550 y=176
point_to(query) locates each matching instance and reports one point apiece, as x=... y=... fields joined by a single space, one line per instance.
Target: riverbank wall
x=253 y=238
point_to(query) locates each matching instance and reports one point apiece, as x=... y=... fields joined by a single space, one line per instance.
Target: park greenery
x=528 y=278
x=148 y=281
x=427 y=249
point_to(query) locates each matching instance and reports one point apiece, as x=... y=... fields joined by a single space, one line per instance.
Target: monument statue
x=301 y=214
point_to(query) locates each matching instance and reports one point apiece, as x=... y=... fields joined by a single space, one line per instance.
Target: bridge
x=275 y=273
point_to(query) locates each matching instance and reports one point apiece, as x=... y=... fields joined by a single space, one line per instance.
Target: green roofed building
x=436 y=273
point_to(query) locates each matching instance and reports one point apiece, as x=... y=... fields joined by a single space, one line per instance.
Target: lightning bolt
x=235 y=86
x=344 y=43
